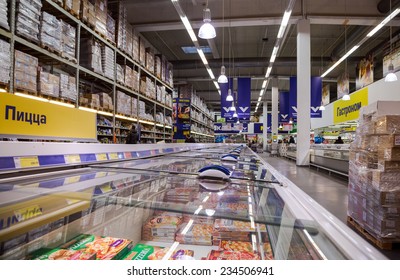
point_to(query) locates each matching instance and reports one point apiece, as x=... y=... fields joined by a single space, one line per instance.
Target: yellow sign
x=72 y=159
x=27 y=213
x=344 y=111
x=20 y=116
x=26 y=162
x=113 y=155
x=71 y=180
x=101 y=157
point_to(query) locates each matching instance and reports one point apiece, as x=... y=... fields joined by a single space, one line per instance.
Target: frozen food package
x=148 y=252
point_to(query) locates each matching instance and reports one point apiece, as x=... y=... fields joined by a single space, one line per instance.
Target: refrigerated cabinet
x=172 y=214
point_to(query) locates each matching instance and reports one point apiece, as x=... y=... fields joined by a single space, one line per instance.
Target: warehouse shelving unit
x=87 y=78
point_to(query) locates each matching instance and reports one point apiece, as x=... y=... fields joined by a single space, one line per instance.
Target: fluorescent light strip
x=189 y=29
x=146 y=122
x=125 y=118
x=340 y=60
x=62 y=104
x=383 y=22
x=202 y=56
x=104 y=113
x=274 y=53
x=32 y=97
x=262 y=92
x=87 y=109
x=159 y=125
x=210 y=72
x=284 y=23
x=259 y=99
x=264 y=84
x=3 y=90
x=167 y=126
x=216 y=84
x=269 y=69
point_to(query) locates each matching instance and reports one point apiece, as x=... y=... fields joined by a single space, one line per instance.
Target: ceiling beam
x=263 y=21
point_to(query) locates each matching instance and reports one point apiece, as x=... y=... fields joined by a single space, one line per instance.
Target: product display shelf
x=265 y=219
x=77 y=70
x=331 y=157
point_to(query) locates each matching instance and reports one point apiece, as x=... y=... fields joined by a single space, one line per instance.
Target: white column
x=265 y=124
x=303 y=92
x=274 y=113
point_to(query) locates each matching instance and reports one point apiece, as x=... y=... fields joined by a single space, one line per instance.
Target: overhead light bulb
x=229 y=97
x=207 y=31
x=390 y=77
x=346 y=97
x=322 y=108
x=232 y=108
x=222 y=79
x=235 y=115
x=280 y=126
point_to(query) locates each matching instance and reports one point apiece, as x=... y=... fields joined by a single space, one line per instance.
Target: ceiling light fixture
x=229 y=97
x=390 y=76
x=322 y=107
x=233 y=108
x=346 y=97
x=222 y=79
x=235 y=115
x=207 y=31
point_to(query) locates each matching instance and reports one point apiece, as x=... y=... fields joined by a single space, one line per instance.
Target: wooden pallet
x=381 y=244
x=68 y=57
x=26 y=91
x=50 y=49
x=72 y=12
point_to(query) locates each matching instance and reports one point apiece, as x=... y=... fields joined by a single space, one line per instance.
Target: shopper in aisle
x=133 y=136
x=189 y=139
x=291 y=140
x=339 y=140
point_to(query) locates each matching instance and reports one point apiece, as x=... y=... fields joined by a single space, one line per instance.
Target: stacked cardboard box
x=105 y=101
x=74 y=6
x=135 y=47
x=91 y=55
x=3 y=14
x=142 y=52
x=374 y=173
x=108 y=61
x=157 y=66
x=49 y=84
x=169 y=75
x=25 y=75
x=134 y=106
x=161 y=93
x=91 y=100
x=68 y=87
x=68 y=40
x=120 y=74
x=150 y=60
x=168 y=100
x=129 y=39
x=28 y=19
x=5 y=65
x=124 y=103
x=128 y=76
x=100 y=9
x=136 y=80
x=124 y=30
x=110 y=29
x=88 y=14
x=50 y=31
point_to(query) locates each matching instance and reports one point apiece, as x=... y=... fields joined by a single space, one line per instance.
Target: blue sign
x=283 y=107
x=315 y=94
x=243 y=98
x=293 y=99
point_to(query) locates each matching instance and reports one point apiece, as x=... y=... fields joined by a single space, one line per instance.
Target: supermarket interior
x=199 y=130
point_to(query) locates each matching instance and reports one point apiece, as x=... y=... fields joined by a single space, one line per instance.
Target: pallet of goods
x=91 y=55
x=28 y=19
x=73 y=7
x=50 y=33
x=5 y=66
x=374 y=173
x=4 y=15
x=25 y=72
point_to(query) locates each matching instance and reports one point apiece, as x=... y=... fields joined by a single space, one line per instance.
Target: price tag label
x=24 y=214
x=72 y=201
x=101 y=157
x=101 y=174
x=127 y=155
x=113 y=156
x=71 y=180
x=397 y=140
x=106 y=189
x=72 y=159
x=26 y=162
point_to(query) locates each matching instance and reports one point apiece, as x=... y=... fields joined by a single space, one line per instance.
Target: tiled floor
x=330 y=191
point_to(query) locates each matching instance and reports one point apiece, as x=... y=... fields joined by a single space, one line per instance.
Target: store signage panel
x=365 y=73
x=344 y=111
x=293 y=99
x=283 y=107
x=316 y=97
x=326 y=95
x=394 y=58
x=243 y=98
x=24 y=117
x=343 y=85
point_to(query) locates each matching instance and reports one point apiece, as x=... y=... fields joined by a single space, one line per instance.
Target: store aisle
x=330 y=192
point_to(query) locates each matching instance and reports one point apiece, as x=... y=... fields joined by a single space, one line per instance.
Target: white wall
x=377 y=91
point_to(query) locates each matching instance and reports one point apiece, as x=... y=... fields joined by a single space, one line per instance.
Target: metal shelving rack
x=80 y=71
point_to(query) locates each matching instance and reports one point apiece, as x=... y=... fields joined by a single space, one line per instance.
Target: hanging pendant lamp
x=207 y=31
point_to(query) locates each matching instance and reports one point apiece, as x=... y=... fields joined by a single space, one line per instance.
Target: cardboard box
x=379 y=108
x=389 y=154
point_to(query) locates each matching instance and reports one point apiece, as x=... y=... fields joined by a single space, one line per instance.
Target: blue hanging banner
x=225 y=105
x=283 y=107
x=243 y=98
x=258 y=128
x=269 y=123
x=316 y=97
x=293 y=99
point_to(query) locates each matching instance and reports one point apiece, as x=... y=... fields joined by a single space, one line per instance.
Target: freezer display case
x=114 y=211
x=331 y=157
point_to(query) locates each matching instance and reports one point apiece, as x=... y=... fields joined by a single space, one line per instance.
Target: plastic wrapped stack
x=90 y=99
x=128 y=76
x=129 y=39
x=68 y=40
x=110 y=29
x=120 y=74
x=135 y=47
x=88 y=14
x=136 y=80
x=161 y=93
x=168 y=100
x=100 y=9
x=142 y=109
x=108 y=61
x=142 y=52
x=105 y=101
x=3 y=15
x=157 y=66
x=28 y=19
x=5 y=65
x=25 y=75
x=50 y=31
x=134 y=106
x=150 y=60
x=169 y=76
x=49 y=84
x=122 y=22
x=73 y=6
x=124 y=103
x=68 y=87
x=374 y=172
x=90 y=56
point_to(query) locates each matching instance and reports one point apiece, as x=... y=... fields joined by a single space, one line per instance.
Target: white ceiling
x=246 y=34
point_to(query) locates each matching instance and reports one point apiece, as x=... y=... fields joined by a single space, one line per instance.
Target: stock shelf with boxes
x=83 y=54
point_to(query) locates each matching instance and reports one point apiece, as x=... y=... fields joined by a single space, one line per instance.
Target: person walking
x=133 y=136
